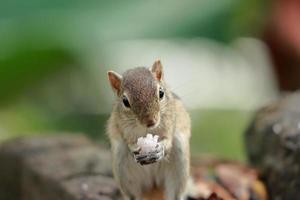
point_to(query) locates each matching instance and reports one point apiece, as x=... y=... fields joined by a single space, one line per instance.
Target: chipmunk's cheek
x=157 y=120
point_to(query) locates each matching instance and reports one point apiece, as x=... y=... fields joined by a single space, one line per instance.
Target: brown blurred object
x=241 y=181
x=155 y=194
x=226 y=179
x=282 y=36
x=213 y=196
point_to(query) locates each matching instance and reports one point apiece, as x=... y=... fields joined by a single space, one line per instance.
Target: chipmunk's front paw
x=152 y=156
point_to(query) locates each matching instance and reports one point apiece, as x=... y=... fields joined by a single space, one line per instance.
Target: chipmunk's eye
x=161 y=93
x=126 y=102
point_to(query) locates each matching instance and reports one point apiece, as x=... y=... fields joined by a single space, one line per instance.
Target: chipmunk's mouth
x=153 y=126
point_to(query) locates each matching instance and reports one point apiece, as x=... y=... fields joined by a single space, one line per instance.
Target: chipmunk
x=144 y=104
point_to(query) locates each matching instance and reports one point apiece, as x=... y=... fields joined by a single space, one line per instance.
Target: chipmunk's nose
x=150 y=121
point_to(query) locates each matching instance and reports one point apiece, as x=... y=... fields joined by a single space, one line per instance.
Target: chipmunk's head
x=141 y=94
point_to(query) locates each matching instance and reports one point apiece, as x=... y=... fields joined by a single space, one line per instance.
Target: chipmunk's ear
x=157 y=70
x=115 y=81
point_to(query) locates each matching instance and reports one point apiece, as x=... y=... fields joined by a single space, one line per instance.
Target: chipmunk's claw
x=137 y=151
x=152 y=157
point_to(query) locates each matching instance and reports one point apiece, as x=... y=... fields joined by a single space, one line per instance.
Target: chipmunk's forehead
x=140 y=82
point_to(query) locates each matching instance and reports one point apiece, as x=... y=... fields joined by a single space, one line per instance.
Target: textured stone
x=38 y=167
x=71 y=167
x=91 y=188
x=42 y=176
x=273 y=146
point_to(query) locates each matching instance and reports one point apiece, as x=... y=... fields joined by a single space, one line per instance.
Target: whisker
x=181 y=84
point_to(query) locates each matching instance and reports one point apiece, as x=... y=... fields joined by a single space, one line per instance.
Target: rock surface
x=273 y=146
x=60 y=167
x=71 y=167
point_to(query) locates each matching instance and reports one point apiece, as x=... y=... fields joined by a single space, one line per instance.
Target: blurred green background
x=54 y=56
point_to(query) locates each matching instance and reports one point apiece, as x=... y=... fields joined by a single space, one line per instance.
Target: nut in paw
x=151 y=157
x=150 y=150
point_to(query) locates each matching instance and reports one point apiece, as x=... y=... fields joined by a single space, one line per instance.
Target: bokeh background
x=225 y=58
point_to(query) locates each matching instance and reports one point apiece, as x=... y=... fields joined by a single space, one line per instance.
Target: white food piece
x=148 y=143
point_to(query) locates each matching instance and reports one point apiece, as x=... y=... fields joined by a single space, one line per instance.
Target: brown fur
x=142 y=87
x=155 y=194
